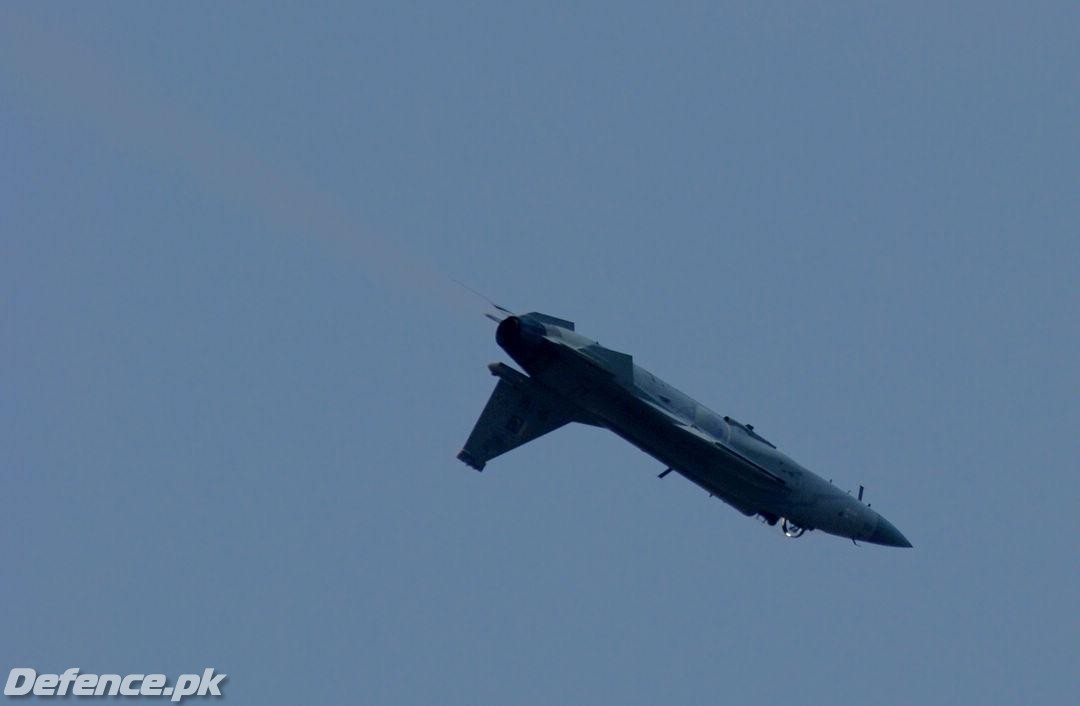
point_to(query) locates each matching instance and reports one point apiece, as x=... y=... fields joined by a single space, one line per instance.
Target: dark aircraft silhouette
x=574 y=379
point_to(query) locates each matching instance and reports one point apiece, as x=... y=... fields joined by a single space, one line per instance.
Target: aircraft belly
x=635 y=421
x=629 y=418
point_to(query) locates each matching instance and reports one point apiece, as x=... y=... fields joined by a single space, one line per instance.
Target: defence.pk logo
x=23 y=681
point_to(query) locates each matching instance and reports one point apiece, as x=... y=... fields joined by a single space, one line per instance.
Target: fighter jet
x=570 y=378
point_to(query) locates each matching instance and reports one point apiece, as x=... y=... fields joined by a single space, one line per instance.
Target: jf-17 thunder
x=571 y=378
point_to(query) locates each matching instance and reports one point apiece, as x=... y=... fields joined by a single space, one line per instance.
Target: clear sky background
x=235 y=372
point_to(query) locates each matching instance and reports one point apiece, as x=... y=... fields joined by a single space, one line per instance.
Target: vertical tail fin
x=518 y=411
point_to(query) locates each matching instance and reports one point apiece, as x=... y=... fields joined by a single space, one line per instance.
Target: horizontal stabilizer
x=552 y=320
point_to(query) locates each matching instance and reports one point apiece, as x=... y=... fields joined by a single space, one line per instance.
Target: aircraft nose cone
x=885 y=533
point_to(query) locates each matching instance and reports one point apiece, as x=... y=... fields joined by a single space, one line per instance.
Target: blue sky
x=237 y=371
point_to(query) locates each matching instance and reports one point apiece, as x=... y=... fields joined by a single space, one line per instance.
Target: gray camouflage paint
x=573 y=378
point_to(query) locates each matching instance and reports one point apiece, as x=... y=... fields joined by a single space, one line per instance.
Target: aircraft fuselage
x=728 y=459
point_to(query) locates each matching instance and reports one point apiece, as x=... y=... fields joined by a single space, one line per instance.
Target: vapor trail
x=69 y=78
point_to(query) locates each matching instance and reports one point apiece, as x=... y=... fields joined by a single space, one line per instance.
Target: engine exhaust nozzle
x=520 y=337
